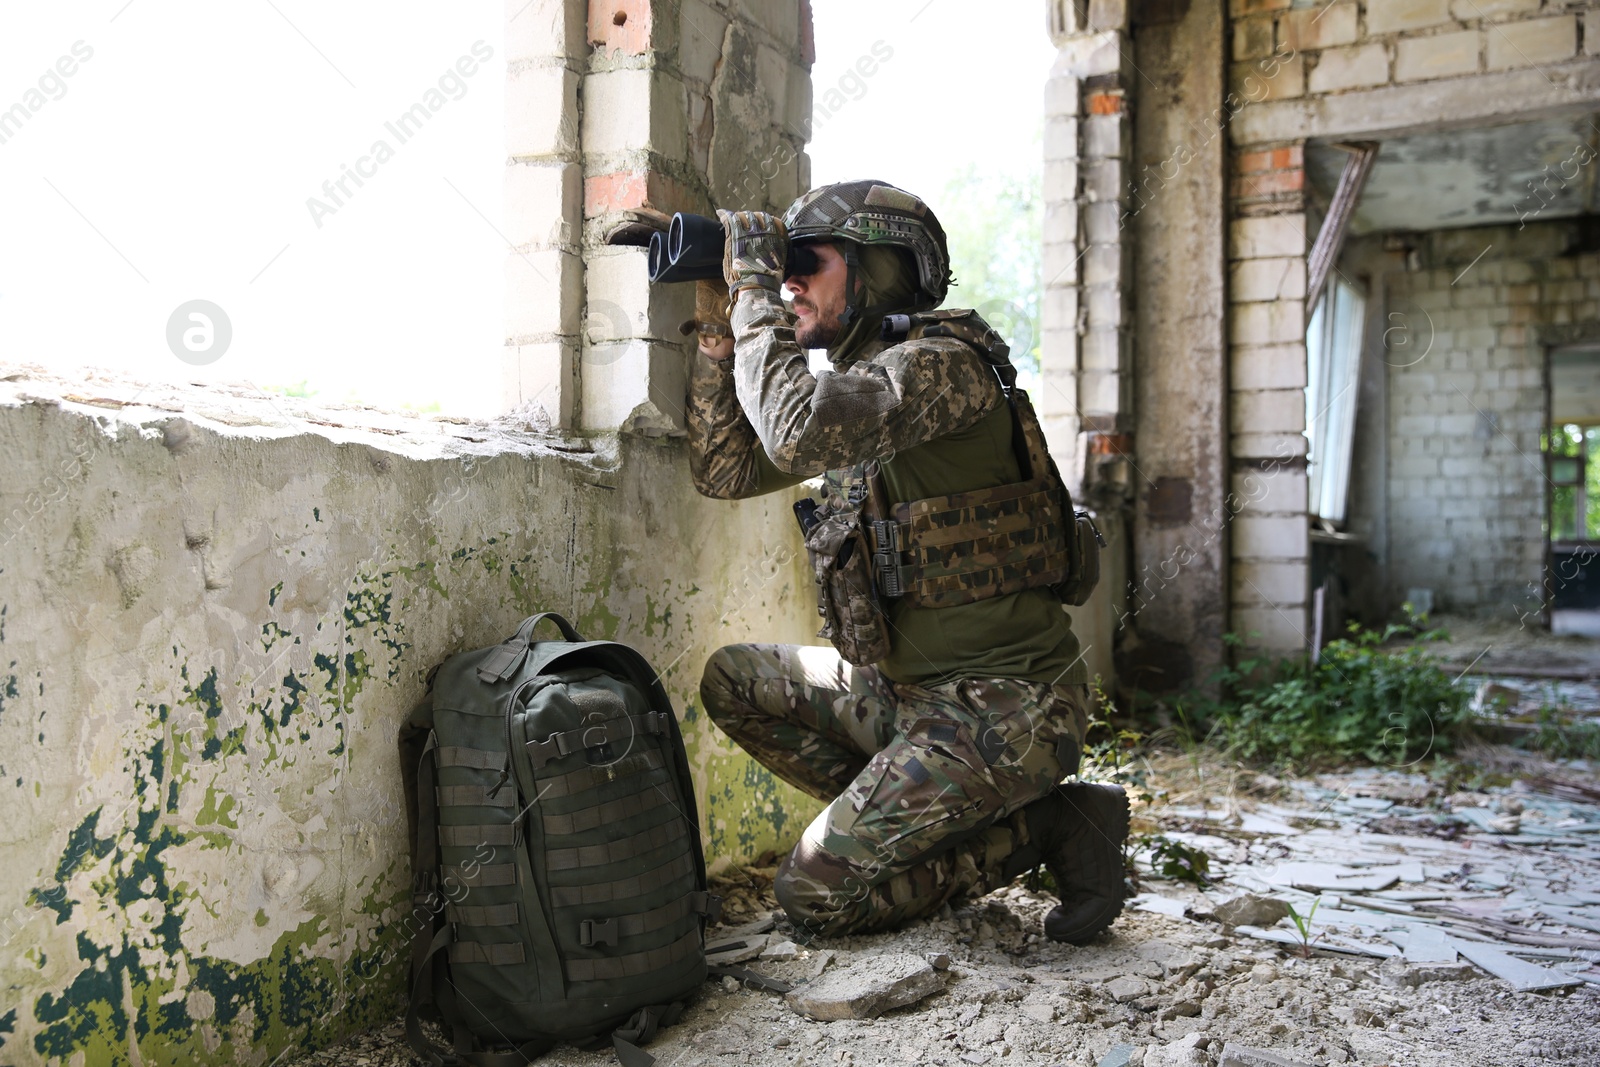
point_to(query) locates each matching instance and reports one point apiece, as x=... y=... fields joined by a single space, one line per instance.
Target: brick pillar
x=544 y=272
x=1085 y=351
x=686 y=107
x=1085 y=346
x=1267 y=248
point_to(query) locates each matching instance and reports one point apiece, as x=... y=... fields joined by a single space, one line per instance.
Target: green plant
x=1365 y=698
x=1178 y=861
x=1302 y=923
x=1111 y=753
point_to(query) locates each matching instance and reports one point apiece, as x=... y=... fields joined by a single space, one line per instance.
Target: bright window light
x=325 y=178
x=1333 y=349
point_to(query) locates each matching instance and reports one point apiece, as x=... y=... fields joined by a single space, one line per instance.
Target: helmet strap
x=852 y=265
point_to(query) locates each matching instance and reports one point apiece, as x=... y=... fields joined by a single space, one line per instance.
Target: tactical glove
x=710 y=320
x=755 y=251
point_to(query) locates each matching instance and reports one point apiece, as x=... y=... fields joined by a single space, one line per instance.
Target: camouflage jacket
x=767 y=422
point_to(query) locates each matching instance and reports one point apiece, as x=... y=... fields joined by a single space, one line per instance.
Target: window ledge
x=239 y=409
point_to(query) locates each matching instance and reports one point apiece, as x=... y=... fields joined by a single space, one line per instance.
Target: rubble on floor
x=1509 y=880
x=1452 y=928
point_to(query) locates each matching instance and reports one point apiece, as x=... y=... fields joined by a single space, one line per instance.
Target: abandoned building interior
x=1318 y=346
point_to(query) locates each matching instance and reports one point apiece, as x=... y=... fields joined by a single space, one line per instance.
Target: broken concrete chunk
x=1251 y=910
x=1245 y=1056
x=1183 y=1009
x=1188 y=1051
x=780 y=949
x=1443 y=972
x=874 y=985
x=1125 y=989
x=1159 y=951
x=1040 y=1013
x=1147 y=969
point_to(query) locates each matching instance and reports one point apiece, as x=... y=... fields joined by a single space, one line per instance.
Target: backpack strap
x=531 y=623
x=425 y=855
x=426 y=943
x=620 y=729
x=422 y=997
x=745 y=976
x=505 y=659
x=640 y=1029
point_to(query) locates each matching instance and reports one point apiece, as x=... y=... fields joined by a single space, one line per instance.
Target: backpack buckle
x=597 y=932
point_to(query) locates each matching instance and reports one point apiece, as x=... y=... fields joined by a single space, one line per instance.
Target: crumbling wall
x=211 y=627
x=621 y=112
x=1466 y=394
x=212 y=623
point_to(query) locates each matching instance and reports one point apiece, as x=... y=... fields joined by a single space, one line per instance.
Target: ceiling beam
x=1397 y=110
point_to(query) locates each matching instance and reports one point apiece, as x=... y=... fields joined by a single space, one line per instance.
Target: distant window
x=1333 y=352
x=1573 y=455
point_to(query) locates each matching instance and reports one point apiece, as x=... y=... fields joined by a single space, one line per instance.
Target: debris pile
x=1377 y=864
x=1439 y=931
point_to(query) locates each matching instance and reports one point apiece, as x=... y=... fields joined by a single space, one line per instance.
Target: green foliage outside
x=1579 y=447
x=1360 y=701
x=993 y=221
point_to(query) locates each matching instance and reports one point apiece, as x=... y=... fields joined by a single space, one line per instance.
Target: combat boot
x=1078 y=832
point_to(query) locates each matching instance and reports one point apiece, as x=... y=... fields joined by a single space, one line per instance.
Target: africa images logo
x=452 y=85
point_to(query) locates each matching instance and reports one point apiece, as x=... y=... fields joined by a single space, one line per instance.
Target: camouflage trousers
x=925 y=784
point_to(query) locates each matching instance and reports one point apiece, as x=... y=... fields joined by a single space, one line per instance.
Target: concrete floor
x=1177 y=988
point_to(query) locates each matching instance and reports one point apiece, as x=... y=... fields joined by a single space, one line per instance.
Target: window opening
x=1333 y=351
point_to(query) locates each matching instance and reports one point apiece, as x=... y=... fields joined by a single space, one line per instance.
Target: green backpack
x=559 y=883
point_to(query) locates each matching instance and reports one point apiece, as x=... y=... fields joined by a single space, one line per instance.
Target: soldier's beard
x=820 y=329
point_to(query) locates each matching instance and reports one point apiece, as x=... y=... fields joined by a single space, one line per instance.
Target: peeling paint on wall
x=206 y=648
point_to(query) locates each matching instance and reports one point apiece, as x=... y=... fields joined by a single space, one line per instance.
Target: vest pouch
x=1084 y=555
x=841 y=563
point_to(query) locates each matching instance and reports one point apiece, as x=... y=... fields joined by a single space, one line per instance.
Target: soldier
x=941 y=760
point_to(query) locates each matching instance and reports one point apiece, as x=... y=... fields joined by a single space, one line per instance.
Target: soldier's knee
x=818 y=895
x=716 y=683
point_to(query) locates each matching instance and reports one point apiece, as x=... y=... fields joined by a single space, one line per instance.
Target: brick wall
x=1362 y=45
x=1466 y=482
x=1302 y=68
x=1267 y=246
x=621 y=112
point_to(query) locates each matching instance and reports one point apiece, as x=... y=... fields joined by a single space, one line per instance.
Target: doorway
x=1572 y=475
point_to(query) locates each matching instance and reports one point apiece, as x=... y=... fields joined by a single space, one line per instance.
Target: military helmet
x=871 y=212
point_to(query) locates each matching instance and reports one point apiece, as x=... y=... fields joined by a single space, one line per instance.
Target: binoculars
x=692 y=248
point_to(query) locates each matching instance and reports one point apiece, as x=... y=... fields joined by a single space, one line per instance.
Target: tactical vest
x=982 y=543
